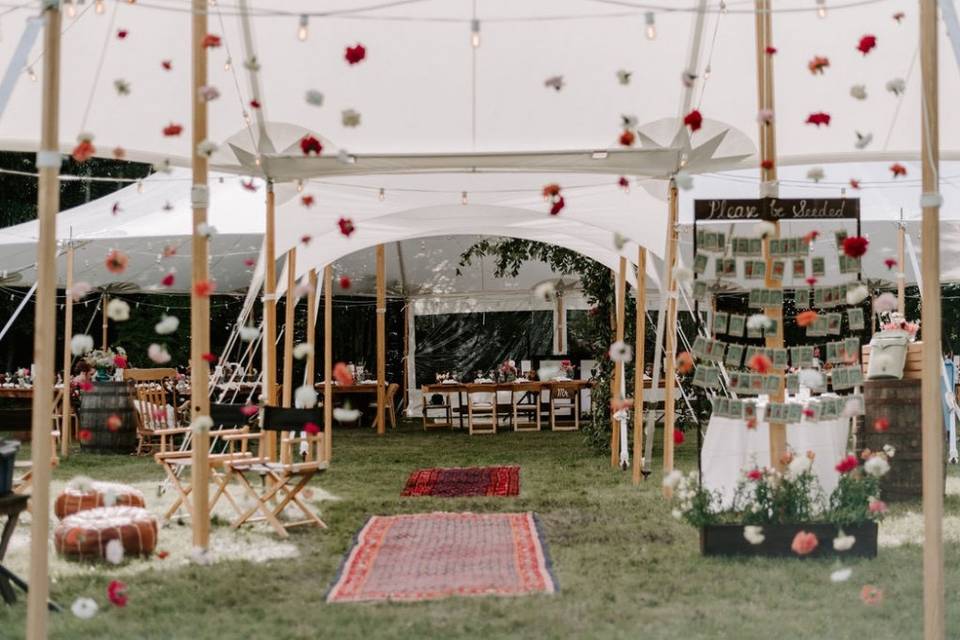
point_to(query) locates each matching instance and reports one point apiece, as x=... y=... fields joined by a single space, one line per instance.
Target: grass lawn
x=625 y=567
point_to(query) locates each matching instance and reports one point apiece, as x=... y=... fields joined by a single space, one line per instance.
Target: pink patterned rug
x=426 y=556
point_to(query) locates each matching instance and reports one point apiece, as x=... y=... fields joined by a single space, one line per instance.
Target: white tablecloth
x=730 y=447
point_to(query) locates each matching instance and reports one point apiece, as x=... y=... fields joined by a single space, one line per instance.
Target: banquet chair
x=228 y=420
x=525 y=401
x=445 y=405
x=481 y=401
x=390 y=405
x=282 y=481
x=564 y=398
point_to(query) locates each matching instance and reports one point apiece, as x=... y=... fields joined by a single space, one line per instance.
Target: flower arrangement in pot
x=566 y=369
x=786 y=513
x=106 y=362
x=507 y=371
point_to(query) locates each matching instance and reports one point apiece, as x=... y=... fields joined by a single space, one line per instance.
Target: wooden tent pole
x=381 y=340
x=407 y=310
x=768 y=156
x=618 y=367
x=328 y=361
x=639 y=364
x=901 y=276
x=66 y=407
x=670 y=330
x=45 y=324
x=105 y=325
x=310 y=370
x=200 y=304
x=269 y=392
x=288 y=320
x=933 y=430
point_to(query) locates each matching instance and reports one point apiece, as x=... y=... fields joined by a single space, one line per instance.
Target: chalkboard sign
x=774 y=209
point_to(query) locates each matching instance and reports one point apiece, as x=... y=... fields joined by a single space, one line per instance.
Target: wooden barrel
x=108 y=399
x=899 y=402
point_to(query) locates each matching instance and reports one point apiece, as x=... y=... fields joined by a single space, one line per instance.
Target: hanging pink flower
x=867 y=44
x=898 y=170
x=84 y=149
x=210 y=41
x=346 y=226
x=355 y=53
x=854 y=183
x=249 y=185
x=249 y=262
x=694 y=120
x=249 y=410
x=855 y=246
x=168 y=280
x=819 y=118
x=85 y=434
x=804 y=543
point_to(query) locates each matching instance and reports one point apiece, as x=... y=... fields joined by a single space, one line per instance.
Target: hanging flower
x=344 y=282
x=898 y=170
x=554 y=82
x=753 y=533
x=249 y=185
x=249 y=262
x=249 y=410
x=307 y=200
x=876 y=466
x=355 y=54
x=305 y=397
x=867 y=44
x=627 y=138
x=158 y=353
x=167 y=325
x=119 y=153
x=343 y=414
x=166 y=64
x=204 y=288
x=819 y=118
x=765 y=116
x=306 y=238
x=209 y=357
x=350 y=118
x=815 y=173
x=760 y=363
x=857 y=294
x=172 y=129
x=811 y=237
x=855 y=246
x=818 y=64
x=84 y=149
x=847 y=464
x=767 y=165
x=899 y=16
x=804 y=543
x=314 y=97
x=863 y=140
x=843 y=542
x=877 y=506
x=770 y=50
x=255 y=104
x=885 y=302
x=85 y=434
x=684 y=363
x=871 y=595
x=854 y=184
x=890 y=263
x=117 y=593
x=84 y=608
x=248 y=333
x=694 y=120
x=623 y=183
x=118 y=310
x=114 y=423
x=309 y=144
x=311 y=428
x=81 y=344
x=880 y=425
x=168 y=279
x=858 y=91
x=122 y=87
x=346 y=226
x=342 y=374
x=678 y=437
x=623 y=76
x=210 y=41
x=557 y=206
x=896 y=86
x=620 y=351
x=302 y=350
x=755 y=474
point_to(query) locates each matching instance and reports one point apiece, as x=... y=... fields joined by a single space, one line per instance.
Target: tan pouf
x=97 y=494
x=85 y=535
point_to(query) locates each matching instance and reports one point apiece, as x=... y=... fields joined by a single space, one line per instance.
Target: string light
x=99 y=7
x=382 y=195
x=31 y=74
x=463 y=197
x=302 y=30
x=475 y=33
x=723 y=7
x=651 y=21
x=822 y=8
x=139 y=186
x=706 y=72
x=246 y=118
x=71 y=9
x=226 y=65
x=299 y=186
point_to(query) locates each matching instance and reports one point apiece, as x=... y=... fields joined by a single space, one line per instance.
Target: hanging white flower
x=688 y=78
x=341 y=414
x=207 y=148
x=201 y=424
x=118 y=310
x=554 y=82
x=314 y=98
x=815 y=173
x=84 y=608
x=620 y=351
x=79 y=290
x=765 y=116
x=683 y=275
x=857 y=294
x=859 y=91
x=350 y=118
x=672 y=479
x=684 y=180
x=82 y=484
x=305 y=397
x=758 y=322
x=619 y=240
x=897 y=86
x=863 y=140
x=206 y=230
x=753 y=534
x=81 y=344
x=889 y=450
x=302 y=350
x=843 y=543
x=841 y=575
x=810 y=378
x=885 y=302
x=623 y=76
x=122 y=87
x=158 y=353
x=248 y=333
x=208 y=92
x=546 y=291
x=167 y=325
x=114 y=552
x=876 y=466
x=764 y=228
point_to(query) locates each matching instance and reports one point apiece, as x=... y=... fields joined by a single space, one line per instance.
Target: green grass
x=625 y=567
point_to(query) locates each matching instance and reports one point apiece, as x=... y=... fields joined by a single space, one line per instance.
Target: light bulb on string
x=226 y=65
x=651 y=22
x=71 y=9
x=463 y=197
x=475 y=33
x=822 y=8
x=382 y=195
x=302 y=31
x=706 y=72
x=299 y=186
x=31 y=74
x=723 y=7
x=139 y=186
x=99 y=7
x=246 y=118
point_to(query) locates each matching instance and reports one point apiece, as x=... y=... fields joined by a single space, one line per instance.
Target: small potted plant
x=106 y=362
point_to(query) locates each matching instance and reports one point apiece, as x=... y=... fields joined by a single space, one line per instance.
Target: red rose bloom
x=678 y=437
x=344 y=282
x=306 y=200
x=172 y=130
x=355 y=53
x=819 y=118
x=117 y=593
x=85 y=434
x=866 y=44
x=346 y=226
x=693 y=120
x=755 y=474
x=847 y=465
x=210 y=41
x=311 y=428
x=898 y=170
x=855 y=246
x=210 y=357
x=309 y=145
x=890 y=262
x=557 y=206
x=167 y=280
x=627 y=138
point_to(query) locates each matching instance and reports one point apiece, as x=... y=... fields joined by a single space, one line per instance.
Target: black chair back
x=289 y=419
x=229 y=416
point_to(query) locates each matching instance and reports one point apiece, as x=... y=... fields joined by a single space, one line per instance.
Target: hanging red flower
x=890 y=262
x=899 y=16
x=819 y=118
x=254 y=104
x=551 y=190
x=116 y=261
x=898 y=170
x=167 y=65
x=811 y=236
x=306 y=238
x=210 y=358
x=355 y=53
x=767 y=165
x=203 y=288
x=346 y=226
x=168 y=280
x=114 y=423
x=249 y=185
x=342 y=374
x=880 y=425
x=847 y=465
x=684 y=363
x=85 y=434
x=249 y=410
x=867 y=44
x=122 y=34
x=311 y=428
x=558 y=205
x=818 y=64
x=117 y=593
x=693 y=120
x=306 y=200
x=855 y=246
x=172 y=130
x=678 y=437
x=84 y=150
x=344 y=282
x=249 y=262
x=162 y=554
x=806 y=318
x=119 y=153
x=752 y=423
x=770 y=50
x=210 y=41
x=627 y=138
x=309 y=144
x=115 y=209
x=854 y=183
x=760 y=363
x=812 y=280
x=623 y=183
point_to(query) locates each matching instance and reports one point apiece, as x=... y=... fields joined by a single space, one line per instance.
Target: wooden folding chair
x=228 y=421
x=564 y=397
x=155 y=413
x=281 y=481
x=23 y=481
x=525 y=398
x=445 y=405
x=390 y=407
x=481 y=401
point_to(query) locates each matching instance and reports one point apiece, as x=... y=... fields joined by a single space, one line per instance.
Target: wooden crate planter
x=726 y=540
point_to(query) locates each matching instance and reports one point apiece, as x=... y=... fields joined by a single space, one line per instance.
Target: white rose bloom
x=341 y=414
x=305 y=397
x=202 y=424
x=167 y=325
x=620 y=351
x=889 y=450
x=81 y=344
x=118 y=310
x=676 y=513
x=302 y=350
x=249 y=334
x=876 y=466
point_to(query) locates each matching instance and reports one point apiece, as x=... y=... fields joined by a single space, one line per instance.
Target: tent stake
x=639 y=364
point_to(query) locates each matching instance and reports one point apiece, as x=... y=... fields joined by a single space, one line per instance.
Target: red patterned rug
x=426 y=556
x=459 y=482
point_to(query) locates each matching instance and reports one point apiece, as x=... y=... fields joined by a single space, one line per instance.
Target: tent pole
x=901 y=276
x=933 y=594
x=67 y=358
x=200 y=304
x=288 y=319
x=768 y=154
x=381 y=340
x=670 y=350
x=309 y=374
x=269 y=392
x=44 y=350
x=618 y=367
x=328 y=361
x=639 y=364
x=406 y=353
x=104 y=302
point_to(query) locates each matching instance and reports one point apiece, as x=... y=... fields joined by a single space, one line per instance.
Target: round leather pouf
x=97 y=494
x=84 y=535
